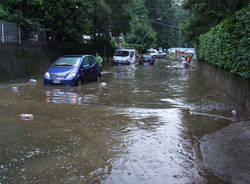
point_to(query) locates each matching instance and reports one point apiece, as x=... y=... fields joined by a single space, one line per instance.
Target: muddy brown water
x=140 y=124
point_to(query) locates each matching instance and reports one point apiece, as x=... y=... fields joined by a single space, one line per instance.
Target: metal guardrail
x=9 y=33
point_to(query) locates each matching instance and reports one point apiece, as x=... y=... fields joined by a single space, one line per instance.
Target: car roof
x=123 y=49
x=76 y=55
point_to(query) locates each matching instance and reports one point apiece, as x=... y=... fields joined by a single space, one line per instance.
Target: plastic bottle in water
x=234 y=114
x=32 y=80
x=14 y=89
x=103 y=84
x=26 y=116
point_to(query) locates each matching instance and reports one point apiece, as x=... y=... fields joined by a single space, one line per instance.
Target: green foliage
x=3 y=13
x=156 y=23
x=141 y=36
x=10 y=12
x=181 y=16
x=162 y=18
x=145 y=23
x=207 y=14
x=69 y=20
x=227 y=45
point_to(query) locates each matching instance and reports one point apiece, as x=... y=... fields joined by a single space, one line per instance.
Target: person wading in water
x=99 y=60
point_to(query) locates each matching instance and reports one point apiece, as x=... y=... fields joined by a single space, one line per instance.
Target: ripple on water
x=158 y=143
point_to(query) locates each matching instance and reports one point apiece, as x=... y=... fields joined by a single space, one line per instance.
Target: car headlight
x=47 y=75
x=71 y=75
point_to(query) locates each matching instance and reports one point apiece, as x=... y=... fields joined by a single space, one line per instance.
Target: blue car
x=146 y=59
x=72 y=70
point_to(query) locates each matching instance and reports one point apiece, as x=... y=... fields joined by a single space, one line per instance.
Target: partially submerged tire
x=98 y=77
x=79 y=81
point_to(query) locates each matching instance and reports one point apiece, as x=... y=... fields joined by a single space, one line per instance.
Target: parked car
x=190 y=52
x=161 y=54
x=152 y=52
x=147 y=59
x=72 y=70
x=124 y=56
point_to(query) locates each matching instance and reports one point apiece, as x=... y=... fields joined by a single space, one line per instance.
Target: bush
x=227 y=45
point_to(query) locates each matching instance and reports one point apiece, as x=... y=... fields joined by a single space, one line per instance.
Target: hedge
x=228 y=44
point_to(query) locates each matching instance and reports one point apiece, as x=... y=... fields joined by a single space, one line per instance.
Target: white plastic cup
x=26 y=117
x=103 y=84
x=234 y=115
x=14 y=89
x=33 y=81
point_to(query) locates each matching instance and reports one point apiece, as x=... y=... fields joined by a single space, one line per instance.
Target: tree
x=120 y=16
x=16 y=11
x=161 y=16
x=181 y=17
x=207 y=14
x=142 y=35
x=69 y=20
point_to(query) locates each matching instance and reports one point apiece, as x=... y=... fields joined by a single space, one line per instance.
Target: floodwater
x=140 y=124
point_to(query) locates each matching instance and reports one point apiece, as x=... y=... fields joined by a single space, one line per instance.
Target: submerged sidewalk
x=226 y=153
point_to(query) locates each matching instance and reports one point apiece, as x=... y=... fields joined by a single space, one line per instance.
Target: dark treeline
x=143 y=23
x=207 y=14
x=220 y=32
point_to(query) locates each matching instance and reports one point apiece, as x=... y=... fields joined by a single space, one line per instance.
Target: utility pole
x=19 y=34
x=177 y=30
x=179 y=37
x=2 y=33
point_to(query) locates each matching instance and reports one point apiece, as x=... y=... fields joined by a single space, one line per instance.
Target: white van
x=124 y=56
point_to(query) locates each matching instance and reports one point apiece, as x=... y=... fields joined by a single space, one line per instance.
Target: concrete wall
x=234 y=86
x=19 y=61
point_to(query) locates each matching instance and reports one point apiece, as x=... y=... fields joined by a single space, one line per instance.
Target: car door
x=86 y=68
x=94 y=72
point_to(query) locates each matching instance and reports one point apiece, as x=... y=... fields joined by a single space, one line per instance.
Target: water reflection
x=158 y=149
x=141 y=128
x=187 y=73
x=125 y=72
x=62 y=96
x=71 y=95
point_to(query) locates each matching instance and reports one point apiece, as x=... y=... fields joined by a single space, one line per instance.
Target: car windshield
x=146 y=56
x=67 y=61
x=121 y=53
x=151 y=51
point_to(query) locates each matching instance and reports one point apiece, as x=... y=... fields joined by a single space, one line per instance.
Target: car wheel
x=98 y=77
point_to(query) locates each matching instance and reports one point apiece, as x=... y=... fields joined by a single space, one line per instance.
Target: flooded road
x=140 y=124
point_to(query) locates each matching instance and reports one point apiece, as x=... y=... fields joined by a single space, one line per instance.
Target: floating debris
x=14 y=89
x=26 y=117
x=234 y=113
x=103 y=84
x=192 y=113
x=33 y=80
